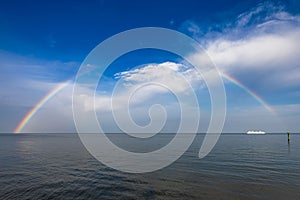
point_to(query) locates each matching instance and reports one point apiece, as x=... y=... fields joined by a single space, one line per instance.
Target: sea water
x=57 y=166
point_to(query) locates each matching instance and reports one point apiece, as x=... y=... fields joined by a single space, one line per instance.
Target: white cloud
x=267 y=51
x=261 y=48
x=263 y=42
x=141 y=85
x=175 y=76
x=138 y=89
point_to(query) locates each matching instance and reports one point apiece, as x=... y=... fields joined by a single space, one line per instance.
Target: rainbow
x=34 y=110
x=255 y=96
x=60 y=86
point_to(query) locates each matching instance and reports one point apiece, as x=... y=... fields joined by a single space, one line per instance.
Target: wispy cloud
x=260 y=49
x=261 y=43
x=24 y=81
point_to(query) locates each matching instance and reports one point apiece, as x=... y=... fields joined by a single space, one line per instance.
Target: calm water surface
x=57 y=166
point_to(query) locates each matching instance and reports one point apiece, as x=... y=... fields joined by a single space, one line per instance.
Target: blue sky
x=43 y=43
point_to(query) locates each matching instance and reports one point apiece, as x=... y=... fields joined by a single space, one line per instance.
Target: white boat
x=256 y=132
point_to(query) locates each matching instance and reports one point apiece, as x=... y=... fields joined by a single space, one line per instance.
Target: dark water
x=57 y=166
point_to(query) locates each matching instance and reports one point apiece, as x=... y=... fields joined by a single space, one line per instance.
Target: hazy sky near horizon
x=255 y=44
